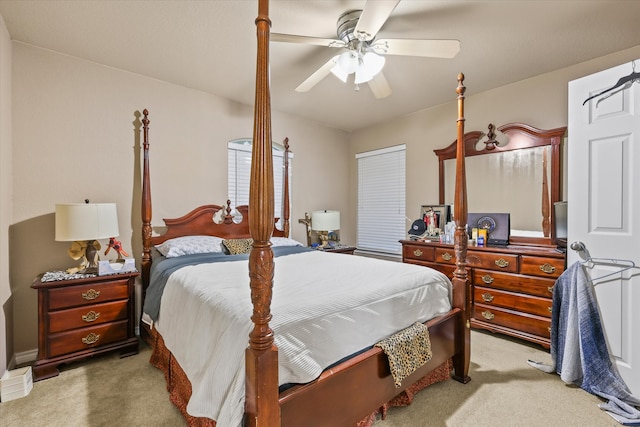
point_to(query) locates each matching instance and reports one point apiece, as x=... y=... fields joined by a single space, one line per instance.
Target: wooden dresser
x=511 y=287
x=79 y=318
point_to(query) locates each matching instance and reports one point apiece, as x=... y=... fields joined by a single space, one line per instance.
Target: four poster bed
x=314 y=361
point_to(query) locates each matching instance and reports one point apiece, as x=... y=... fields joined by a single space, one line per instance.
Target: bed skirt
x=179 y=387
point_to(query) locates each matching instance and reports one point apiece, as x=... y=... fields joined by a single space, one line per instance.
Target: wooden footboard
x=365 y=379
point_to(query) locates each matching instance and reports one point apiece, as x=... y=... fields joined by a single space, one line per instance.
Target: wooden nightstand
x=79 y=318
x=342 y=250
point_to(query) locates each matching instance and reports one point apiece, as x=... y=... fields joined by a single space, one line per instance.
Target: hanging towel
x=407 y=350
x=579 y=351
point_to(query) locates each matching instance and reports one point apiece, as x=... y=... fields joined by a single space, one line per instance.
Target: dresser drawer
x=80 y=317
x=73 y=296
x=540 y=266
x=516 y=302
x=87 y=338
x=493 y=261
x=514 y=282
x=417 y=252
x=529 y=323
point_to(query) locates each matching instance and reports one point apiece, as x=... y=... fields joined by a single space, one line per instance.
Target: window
x=239 y=173
x=381 y=200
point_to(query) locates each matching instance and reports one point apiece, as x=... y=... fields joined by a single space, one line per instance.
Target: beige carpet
x=504 y=391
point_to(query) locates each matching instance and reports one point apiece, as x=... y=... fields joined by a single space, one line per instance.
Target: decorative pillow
x=189 y=245
x=284 y=241
x=237 y=246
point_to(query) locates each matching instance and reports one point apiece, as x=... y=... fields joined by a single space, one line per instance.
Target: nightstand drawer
x=87 y=338
x=73 y=296
x=514 y=282
x=518 y=302
x=80 y=317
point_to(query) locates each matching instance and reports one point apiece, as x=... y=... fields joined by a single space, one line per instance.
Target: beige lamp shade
x=86 y=221
x=325 y=220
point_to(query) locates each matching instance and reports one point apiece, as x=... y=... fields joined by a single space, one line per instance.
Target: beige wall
x=6 y=303
x=540 y=101
x=76 y=135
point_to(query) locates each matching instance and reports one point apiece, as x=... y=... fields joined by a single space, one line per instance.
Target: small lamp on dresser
x=323 y=222
x=83 y=224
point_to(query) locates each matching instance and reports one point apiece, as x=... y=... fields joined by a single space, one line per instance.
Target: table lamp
x=83 y=224
x=323 y=222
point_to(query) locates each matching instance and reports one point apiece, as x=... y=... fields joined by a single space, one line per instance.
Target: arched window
x=239 y=173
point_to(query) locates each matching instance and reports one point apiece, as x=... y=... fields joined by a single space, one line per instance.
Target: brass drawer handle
x=550 y=289
x=487 y=279
x=447 y=256
x=90 y=294
x=502 y=263
x=488 y=315
x=549 y=329
x=549 y=309
x=487 y=297
x=91 y=316
x=91 y=339
x=417 y=252
x=547 y=268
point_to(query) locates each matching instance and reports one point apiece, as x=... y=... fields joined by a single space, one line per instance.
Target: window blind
x=381 y=200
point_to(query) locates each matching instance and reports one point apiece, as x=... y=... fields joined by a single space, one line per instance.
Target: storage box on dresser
x=511 y=286
x=79 y=318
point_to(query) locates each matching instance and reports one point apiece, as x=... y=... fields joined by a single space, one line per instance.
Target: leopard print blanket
x=407 y=350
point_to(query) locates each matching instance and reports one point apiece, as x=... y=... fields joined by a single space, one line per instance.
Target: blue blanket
x=163 y=267
x=578 y=347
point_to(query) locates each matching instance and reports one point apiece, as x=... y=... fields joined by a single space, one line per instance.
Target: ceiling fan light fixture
x=372 y=64
x=349 y=61
x=339 y=72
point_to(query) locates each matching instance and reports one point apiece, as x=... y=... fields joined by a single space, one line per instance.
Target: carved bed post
x=460 y=279
x=146 y=207
x=285 y=194
x=261 y=360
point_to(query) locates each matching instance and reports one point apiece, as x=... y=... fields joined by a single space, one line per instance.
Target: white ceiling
x=211 y=45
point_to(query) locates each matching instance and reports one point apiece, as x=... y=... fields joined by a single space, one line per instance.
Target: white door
x=603 y=184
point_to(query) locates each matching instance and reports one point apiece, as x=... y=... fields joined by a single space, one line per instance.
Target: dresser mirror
x=512 y=169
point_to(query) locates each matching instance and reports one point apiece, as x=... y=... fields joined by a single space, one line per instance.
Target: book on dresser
x=511 y=286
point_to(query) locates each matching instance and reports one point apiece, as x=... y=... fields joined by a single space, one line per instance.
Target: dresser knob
x=91 y=294
x=487 y=297
x=91 y=339
x=447 y=256
x=547 y=268
x=502 y=263
x=550 y=289
x=488 y=315
x=91 y=316
x=549 y=309
x=417 y=253
x=487 y=279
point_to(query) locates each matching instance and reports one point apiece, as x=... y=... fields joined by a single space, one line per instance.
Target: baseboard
x=23 y=358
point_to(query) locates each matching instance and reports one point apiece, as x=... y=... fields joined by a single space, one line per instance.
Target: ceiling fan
x=363 y=54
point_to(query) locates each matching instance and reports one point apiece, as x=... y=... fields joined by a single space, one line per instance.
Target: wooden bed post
x=460 y=278
x=146 y=207
x=261 y=359
x=285 y=193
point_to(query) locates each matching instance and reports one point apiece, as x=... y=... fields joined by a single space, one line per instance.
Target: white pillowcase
x=284 y=241
x=189 y=245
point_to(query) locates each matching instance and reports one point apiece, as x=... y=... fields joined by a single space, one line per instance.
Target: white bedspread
x=325 y=306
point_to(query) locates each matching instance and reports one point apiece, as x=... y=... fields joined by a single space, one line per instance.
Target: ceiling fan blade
x=318 y=75
x=373 y=17
x=427 y=48
x=289 y=38
x=379 y=86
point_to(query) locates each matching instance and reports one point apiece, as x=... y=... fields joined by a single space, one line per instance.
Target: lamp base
x=87 y=251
